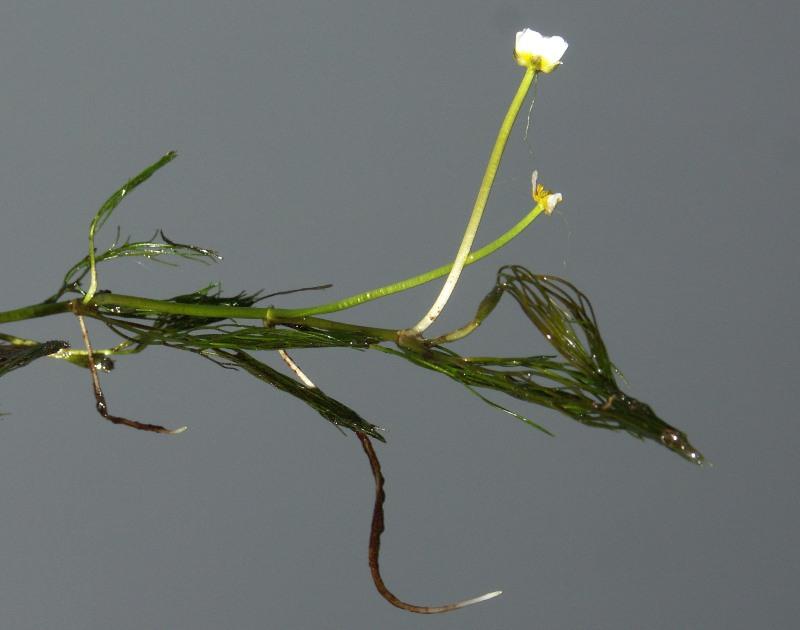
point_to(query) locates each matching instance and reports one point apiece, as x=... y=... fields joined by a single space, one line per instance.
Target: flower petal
x=534 y=50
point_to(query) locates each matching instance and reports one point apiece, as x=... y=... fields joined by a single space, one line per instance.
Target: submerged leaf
x=579 y=382
x=17 y=356
x=114 y=200
x=224 y=342
x=153 y=249
x=329 y=408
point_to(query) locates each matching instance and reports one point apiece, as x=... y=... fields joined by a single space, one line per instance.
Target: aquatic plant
x=578 y=378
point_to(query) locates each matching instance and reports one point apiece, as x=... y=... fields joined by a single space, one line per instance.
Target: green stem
x=294 y=314
x=18 y=341
x=414 y=281
x=269 y=315
x=33 y=311
x=383 y=334
x=480 y=204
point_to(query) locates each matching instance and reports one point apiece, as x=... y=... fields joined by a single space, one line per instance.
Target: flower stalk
x=477 y=210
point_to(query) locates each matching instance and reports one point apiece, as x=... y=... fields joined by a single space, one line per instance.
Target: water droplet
x=675 y=441
x=103 y=363
x=670 y=437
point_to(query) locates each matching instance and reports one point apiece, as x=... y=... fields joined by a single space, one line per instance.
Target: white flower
x=551 y=202
x=547 y=198
x=534 y=50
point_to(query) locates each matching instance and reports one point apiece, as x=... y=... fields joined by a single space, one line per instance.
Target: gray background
x=343 y=142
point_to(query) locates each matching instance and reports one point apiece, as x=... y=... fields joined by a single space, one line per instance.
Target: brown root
x=100 y=400
x=375 y=545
